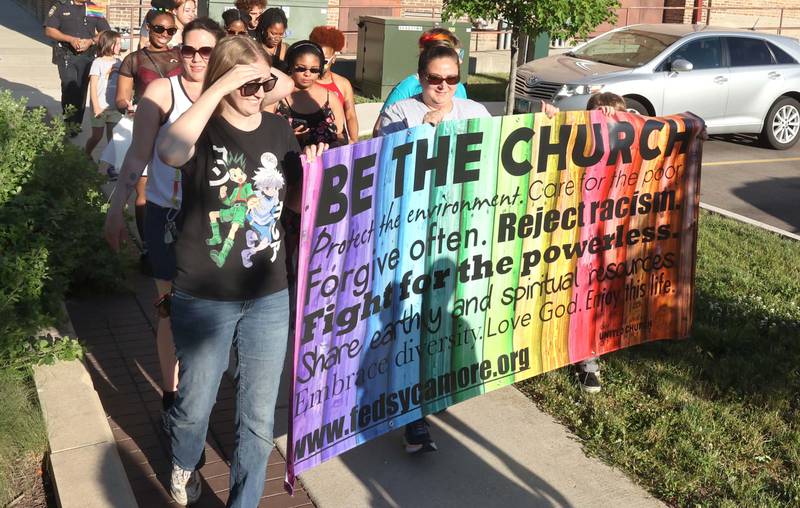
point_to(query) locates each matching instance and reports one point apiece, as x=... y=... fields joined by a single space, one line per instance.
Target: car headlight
x=570 y=90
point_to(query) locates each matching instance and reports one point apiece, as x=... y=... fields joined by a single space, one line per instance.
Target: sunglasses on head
x=188 y=52
x=234 y=32
x=300 y=69
x=160 y=29
x=251 y=88
x=437 y=80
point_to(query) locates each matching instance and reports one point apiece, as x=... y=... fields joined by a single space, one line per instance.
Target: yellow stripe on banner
x=751 y=161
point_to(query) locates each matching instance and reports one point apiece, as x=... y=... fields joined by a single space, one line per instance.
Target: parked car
x=736 y=80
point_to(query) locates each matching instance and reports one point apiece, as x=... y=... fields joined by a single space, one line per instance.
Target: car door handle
x=774 y=75
x=720 y=80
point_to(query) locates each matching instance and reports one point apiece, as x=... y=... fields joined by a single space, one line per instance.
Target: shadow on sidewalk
x=763 y=195
x=18 y=19
x=34 y=96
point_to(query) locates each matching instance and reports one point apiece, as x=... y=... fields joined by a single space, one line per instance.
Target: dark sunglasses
x=188 y=52
x=234 y=32
x=300 y=69
x=437 y=80
x=249 y=89
x=160 y=29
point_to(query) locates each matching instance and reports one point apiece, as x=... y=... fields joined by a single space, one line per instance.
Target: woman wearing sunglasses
x=411 y=86
x=237 y=165
x=316 y=116
x=438 y=70
x=137 y=71
x=163 y=102
x=185 y=12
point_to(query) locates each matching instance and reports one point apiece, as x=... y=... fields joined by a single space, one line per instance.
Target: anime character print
x=263 y=210
x=236 y=211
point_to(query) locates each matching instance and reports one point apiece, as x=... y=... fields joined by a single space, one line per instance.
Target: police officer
x=75 y=35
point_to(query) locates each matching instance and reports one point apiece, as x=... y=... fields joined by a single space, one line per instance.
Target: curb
x=85 y=465
x=747 y=220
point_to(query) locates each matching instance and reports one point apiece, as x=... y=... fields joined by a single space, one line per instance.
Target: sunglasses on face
x=437 y=80
x=301 y=70
x=188 y=52
x=251 y=88
x=234 y=32
x=160 y=29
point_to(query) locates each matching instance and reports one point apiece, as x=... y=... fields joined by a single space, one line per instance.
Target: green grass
x=714 y=420
x=487 y=87
x=480 y=87
x=23 y=439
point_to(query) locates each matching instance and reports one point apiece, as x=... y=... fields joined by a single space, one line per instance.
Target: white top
x=409 y=113
x=164 y=181
x=107 y=71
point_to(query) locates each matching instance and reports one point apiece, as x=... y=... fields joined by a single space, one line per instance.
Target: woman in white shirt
x=439 y=75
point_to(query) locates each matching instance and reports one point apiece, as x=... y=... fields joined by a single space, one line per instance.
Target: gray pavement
x=755 y=182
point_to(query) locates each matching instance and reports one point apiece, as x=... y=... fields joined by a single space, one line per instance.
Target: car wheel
x=782 y=125
x=634 y=106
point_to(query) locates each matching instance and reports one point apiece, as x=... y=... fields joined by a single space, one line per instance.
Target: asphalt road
x=740 y=176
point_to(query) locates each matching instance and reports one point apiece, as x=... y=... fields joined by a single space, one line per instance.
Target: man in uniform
x=74 y=26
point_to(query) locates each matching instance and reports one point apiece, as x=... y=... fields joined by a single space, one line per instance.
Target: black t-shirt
x=71 y=19
x=231 y=241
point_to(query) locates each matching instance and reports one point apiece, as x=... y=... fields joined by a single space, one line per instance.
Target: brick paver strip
x=122 y=361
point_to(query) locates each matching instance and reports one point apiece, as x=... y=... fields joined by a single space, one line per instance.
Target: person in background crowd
x=410 y=86
x=315 y=117
x=224 y=295
x=184 y=10
x=270 y=32
x=588 y=371
x=103 y=90
x=254 y=8
x=236 y=21
x=138 y=70
x=163 y=102
x=74 y=28
x=332 y=41
x=439 y=76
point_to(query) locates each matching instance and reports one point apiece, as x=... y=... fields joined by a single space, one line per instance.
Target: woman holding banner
x=438 y=70
x=237 y=165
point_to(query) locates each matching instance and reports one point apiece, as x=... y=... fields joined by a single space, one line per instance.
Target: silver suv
x=736 y=80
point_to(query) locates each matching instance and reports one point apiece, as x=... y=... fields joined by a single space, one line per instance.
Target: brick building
x=772 y=15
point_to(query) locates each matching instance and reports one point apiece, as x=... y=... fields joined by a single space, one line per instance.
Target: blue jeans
x=204 y=331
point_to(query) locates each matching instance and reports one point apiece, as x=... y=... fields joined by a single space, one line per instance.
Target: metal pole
x=780 y=22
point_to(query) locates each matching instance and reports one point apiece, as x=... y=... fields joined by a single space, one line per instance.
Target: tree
x=560 y=19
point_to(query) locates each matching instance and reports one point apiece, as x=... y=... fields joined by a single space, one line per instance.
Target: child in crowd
x=589 y=369
x=103 y=89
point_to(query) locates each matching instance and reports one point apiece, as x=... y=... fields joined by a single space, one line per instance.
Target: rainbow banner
x=96 y=9
x=440 y=264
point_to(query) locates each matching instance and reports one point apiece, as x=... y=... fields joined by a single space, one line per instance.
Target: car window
x=746 y=51
x=626 y=48
x=781 y=56
x=705 y=53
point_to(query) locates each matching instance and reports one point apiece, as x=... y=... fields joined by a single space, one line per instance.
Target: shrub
x=51 y=211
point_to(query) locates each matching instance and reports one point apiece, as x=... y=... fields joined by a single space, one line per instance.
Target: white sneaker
x=184 y=486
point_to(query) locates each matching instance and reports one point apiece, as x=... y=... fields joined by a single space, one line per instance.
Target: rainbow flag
x=95 y=10
x=438 y=264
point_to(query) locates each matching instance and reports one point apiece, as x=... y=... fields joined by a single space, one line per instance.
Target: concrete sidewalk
x=496 y=450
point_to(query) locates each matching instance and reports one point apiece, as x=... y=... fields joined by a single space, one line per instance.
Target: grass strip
x=23 y=438
x=714 y=420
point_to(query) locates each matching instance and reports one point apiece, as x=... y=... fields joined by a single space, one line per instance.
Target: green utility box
x=303 y=15
x=388 y=50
